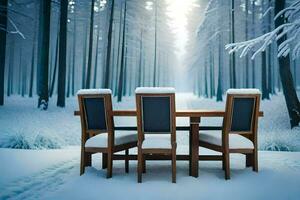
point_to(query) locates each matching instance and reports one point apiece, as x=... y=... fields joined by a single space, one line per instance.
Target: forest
x=50 y=49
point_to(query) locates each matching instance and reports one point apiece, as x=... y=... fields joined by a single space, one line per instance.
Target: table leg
x=194 y=124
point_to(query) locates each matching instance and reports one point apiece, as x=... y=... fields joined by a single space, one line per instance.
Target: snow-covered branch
x=259 y=44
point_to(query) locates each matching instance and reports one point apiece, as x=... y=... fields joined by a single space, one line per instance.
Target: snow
x=157 y=141
x=155 y=90
x=28 y=174
x=235 y=141
x=54 y=174
x=25 y=126
x=42 y=173
x=243 y=91
x=259 y=44
x=101 y=140
x=93 y=91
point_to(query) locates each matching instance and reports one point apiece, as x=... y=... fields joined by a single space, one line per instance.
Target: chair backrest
x=95 y=106
x=242 y=109
x=156 y=110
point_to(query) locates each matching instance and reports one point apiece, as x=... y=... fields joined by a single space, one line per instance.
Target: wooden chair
x=98 y=133
x=156 y=124
x=239 y=132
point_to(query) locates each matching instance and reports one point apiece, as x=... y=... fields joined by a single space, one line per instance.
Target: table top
x=179 y=113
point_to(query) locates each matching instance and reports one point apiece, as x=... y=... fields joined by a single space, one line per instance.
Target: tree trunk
x=246 y=38
x=205 y=79
x=61 y=84
x=270 y=53
x=44 y=60
x=3 y=22
x=109 y=44
x=233 y=85
x=55 y=68
x=140 y=61
x=32 y=68
x=112 y=70
x=74 y=51
x=264 y=77
x=24 y=74
x=220 y=71
x=20 y=69
x=121 y=75
x=253 y=35
x=211 y=72
x=289 y=91
x=84 y=59
x=119 y=49
x=97 y=52
x=124 y=90
x=89 y=66
x=265 y=92
x=69 y=75
x=11 y=67
x=155 y=46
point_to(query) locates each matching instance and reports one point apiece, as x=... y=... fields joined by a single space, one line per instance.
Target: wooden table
x=195 y=118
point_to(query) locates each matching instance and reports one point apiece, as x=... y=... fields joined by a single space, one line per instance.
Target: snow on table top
x=94 y=91
x=156 y=90
x=243 y=91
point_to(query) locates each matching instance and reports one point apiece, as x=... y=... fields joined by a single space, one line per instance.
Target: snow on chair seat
x=157 y=142
x=236 y=141
x=94 y=91
x=121 y=137
x=155 y=90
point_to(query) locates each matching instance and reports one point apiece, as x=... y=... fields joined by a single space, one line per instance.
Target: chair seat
x=236 y=141
x=121 y=137
x=157 y=142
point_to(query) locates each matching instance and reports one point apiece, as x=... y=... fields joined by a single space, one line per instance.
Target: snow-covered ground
x=54 y=174
x=48 y=167
x=25 y=126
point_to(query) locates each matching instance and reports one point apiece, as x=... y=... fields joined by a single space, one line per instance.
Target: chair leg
x=255 y=161
x=104 y=160
x=249 y=160
x=227 y=165
x=144 y=163
x=174 y=166
x=82 y=162
x=126 y=161
x=139 y=168
x=88 y=159
x=223 y=161
x=109 y=165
